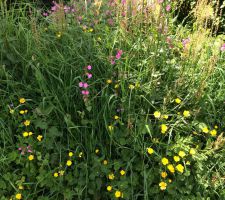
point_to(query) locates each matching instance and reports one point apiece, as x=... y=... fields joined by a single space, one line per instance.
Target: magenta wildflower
x=85 y=92
x=81 y=84
x=168 y=7
x=85 y=85
x=89 y=67
x=123 y=2
x=89 y=75
x=222 y=47
x=160 y=1
x=66 y=9
x=119 y=53
x=45 y=14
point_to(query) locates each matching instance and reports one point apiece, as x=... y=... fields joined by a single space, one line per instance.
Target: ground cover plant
x=111 y=100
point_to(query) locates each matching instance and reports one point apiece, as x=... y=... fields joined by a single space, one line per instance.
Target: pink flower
x=185 y=42
x=123 y=2
x=85 y=85
x=160 y=1
x=81 y=84
x=119 y=53
x=85 y=92
x=222 y=47
x=89 y=75
x=113 y=61
x=89 y=67
x=45 y=14
x=168 y=7
x=66 y=9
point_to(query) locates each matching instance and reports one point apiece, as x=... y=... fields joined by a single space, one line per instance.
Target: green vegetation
x=106 y=102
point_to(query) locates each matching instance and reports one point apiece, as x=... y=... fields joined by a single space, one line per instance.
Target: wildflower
x=122 y=172
x=70 y=154
x=157 y=114
x=116 y=117
x=90 y=30
x=150 y=150
x=119 y=53
x=30 y=133
x=163 y=174
x=110 y=127
x=131 y=87
x=85 y=85
x=109 y=81
x=176 y=158
x=31 y=157
x=160 y=1
x=170 y=167
x=20 y=187
x=168 y=7
x=180 y=168
x=182 y=154
x=39 y=138
x=61 y=172
x=192 y=151
x=25 y=134
x=96 y=151
x=165 y=161
x=85 y=92
x=11 y=111
x=188 y=163
x=186 y=113
x=19 y=196
x=222 y=47
x=170 y=181
x=164 y=128
x=118 y=194
x=205 y=130
x=22 y=100
x=99 y=39
x=213 y=132
x=162 y=185
x=109 y=188
x=89 y=75
x=116 y=86
x=195 y=133
x=177 y=100
x=25 y=111
x=26 y=122
x=105 y=162
x=137 y=85
x=89 y=67
x=58 y=35
x=80 y=154
x=216 y=127
x=68 y=163
x=111 y=176
x=55 y=174
x=81 y=84
x=165 y=116
x=22 y=112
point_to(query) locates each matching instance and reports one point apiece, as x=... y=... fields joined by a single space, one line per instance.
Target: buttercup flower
x=109 y=188
x=105 y=162
x=31 y=157
x=131 y=87
x=150 y=150
x=39 y=138
x=30 y=133
x=192 y=151
x=122 y=172
x=164 y=128
x=25 y=134
x=111 y=176
x=20 y=187
x=22 y=112
x=110 y=127
x=180 y=168
x=163 y=174
x=22 y=100
x=205 y=130
x=69 y=163
x=182 y=154
x=213 y=132
x=162 y=185
x=116 y=117
x=177 y=100
x=19 y=196
x=61 y=172
x=165 y=161
x=55 y=174
x=176 y=158
x=170 y=167
x=96 y=151
x=26 y=122
x=118 y=194
x=70 y=154
x=165 y=116
x=186 y=113
x=109 y=81
x=157 y=114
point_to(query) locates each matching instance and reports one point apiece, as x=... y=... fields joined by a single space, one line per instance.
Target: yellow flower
x=30 y=133
x=11 y=111
x=188 y=163
x=99 y=39
x=19 y=196
x=177 y=100
x=109 y=188
x=170 y=167
x=25 y=134
x=96 y=151
x=31 y=157
x=68 y=163
x=165 y=116
x=22 y=100
x=116 y=117
x=162 y=185
x=118 y=194
x=25 y=111
x=131 y=87
x=111 y=176
x=122 y=172
x=21 y=187
x=105 y=162
x=61 y=172
x=109 y=81
x=163 y=174
x=137 y=85
x=70 y=154
x=39 y=138
x=195 y=133
x=164 y=128
x=180 y=168
x=90 y=30
x=165 y=161
x=205 y=130
x=213 y=132
x=22 y=112
x=170 y=181
x=80 y=154
x=116 y=86
x=186 y=113
x=192 y=151
x=110 y=127
x=55 y=174
x=182 y=154
x=157 y=114
x=58 y=35
x=176 y=158
x=26 y=122
x=150 y=150
x=216 y=127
